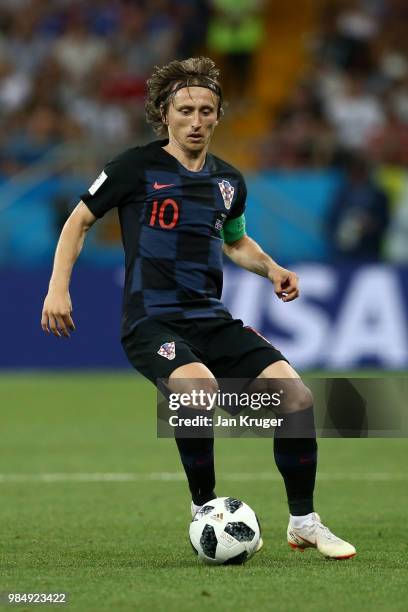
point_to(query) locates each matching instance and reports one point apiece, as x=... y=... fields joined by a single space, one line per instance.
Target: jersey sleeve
x=239 y=205
x=111 y=189
x=234 y=226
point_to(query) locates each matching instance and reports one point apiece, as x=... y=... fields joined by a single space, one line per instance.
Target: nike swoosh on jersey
x=160 y=186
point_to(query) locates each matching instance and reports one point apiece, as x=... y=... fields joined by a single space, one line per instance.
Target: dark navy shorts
x=228 y=348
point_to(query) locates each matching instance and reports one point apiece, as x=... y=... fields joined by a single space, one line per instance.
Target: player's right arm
x=57 y=309
x=114 y=187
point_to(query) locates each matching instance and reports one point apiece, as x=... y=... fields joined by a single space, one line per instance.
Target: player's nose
x=196 y=122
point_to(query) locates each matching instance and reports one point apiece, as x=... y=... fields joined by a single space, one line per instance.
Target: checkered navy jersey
x=171 y=221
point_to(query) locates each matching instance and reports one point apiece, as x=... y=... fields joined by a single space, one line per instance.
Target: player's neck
x=192 y=160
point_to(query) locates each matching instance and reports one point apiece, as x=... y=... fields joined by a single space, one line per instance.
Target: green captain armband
x=233 y=229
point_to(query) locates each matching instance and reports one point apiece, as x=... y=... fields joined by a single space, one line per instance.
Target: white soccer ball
x=225 y=531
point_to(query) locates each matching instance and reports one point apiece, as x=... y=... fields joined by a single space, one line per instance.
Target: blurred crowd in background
x=349 y=110
x=73 y=73
x=72 y=70
x=353 y=99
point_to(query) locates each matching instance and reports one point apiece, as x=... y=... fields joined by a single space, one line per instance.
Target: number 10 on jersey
x=165 y=214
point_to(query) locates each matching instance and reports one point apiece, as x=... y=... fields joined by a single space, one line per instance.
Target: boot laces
x=316 y=527
x=325 y=532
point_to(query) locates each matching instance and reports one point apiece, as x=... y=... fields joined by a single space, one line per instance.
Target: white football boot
x=313 y=534
x=195 y=509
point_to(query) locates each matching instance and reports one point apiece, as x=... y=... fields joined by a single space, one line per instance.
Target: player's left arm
x=247 y=254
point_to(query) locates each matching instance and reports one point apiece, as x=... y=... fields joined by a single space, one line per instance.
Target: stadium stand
x=324 y=82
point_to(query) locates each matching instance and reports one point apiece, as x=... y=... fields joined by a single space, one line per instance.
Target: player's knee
x=207 y=386
x=302 y=399
x=200 y=393
x=294 y=396
x=210 y=389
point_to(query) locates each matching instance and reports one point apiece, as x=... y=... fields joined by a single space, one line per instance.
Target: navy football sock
x=296 y=459
x=197 y=456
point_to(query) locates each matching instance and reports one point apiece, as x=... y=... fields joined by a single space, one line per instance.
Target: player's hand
x=285 y=282
x=57 y=314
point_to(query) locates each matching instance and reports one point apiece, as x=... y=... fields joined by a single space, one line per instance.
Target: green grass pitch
x=123 y=545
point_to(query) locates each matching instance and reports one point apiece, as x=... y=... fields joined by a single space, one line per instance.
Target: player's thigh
x=195 y=380
x=278 y=369
x=281 y=377
x=191 y=370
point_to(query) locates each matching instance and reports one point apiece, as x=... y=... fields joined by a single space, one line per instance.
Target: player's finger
x=69 y=322
x=292 y=283
x=278 y=287
x=62 y=327
x=292 y=295
x=44 y=322
x=53 y=326
x=291 y=290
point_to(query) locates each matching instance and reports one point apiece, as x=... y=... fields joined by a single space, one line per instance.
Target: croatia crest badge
x=227 y=192
x=167 y=350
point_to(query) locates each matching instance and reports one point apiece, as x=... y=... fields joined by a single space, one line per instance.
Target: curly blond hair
x=167 y=80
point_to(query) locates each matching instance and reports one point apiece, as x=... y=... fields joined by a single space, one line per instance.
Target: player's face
x=192 y=118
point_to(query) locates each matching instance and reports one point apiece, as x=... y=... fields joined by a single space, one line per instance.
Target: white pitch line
x=179 y=476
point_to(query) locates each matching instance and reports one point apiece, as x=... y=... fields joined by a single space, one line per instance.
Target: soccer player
x=180 y=208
